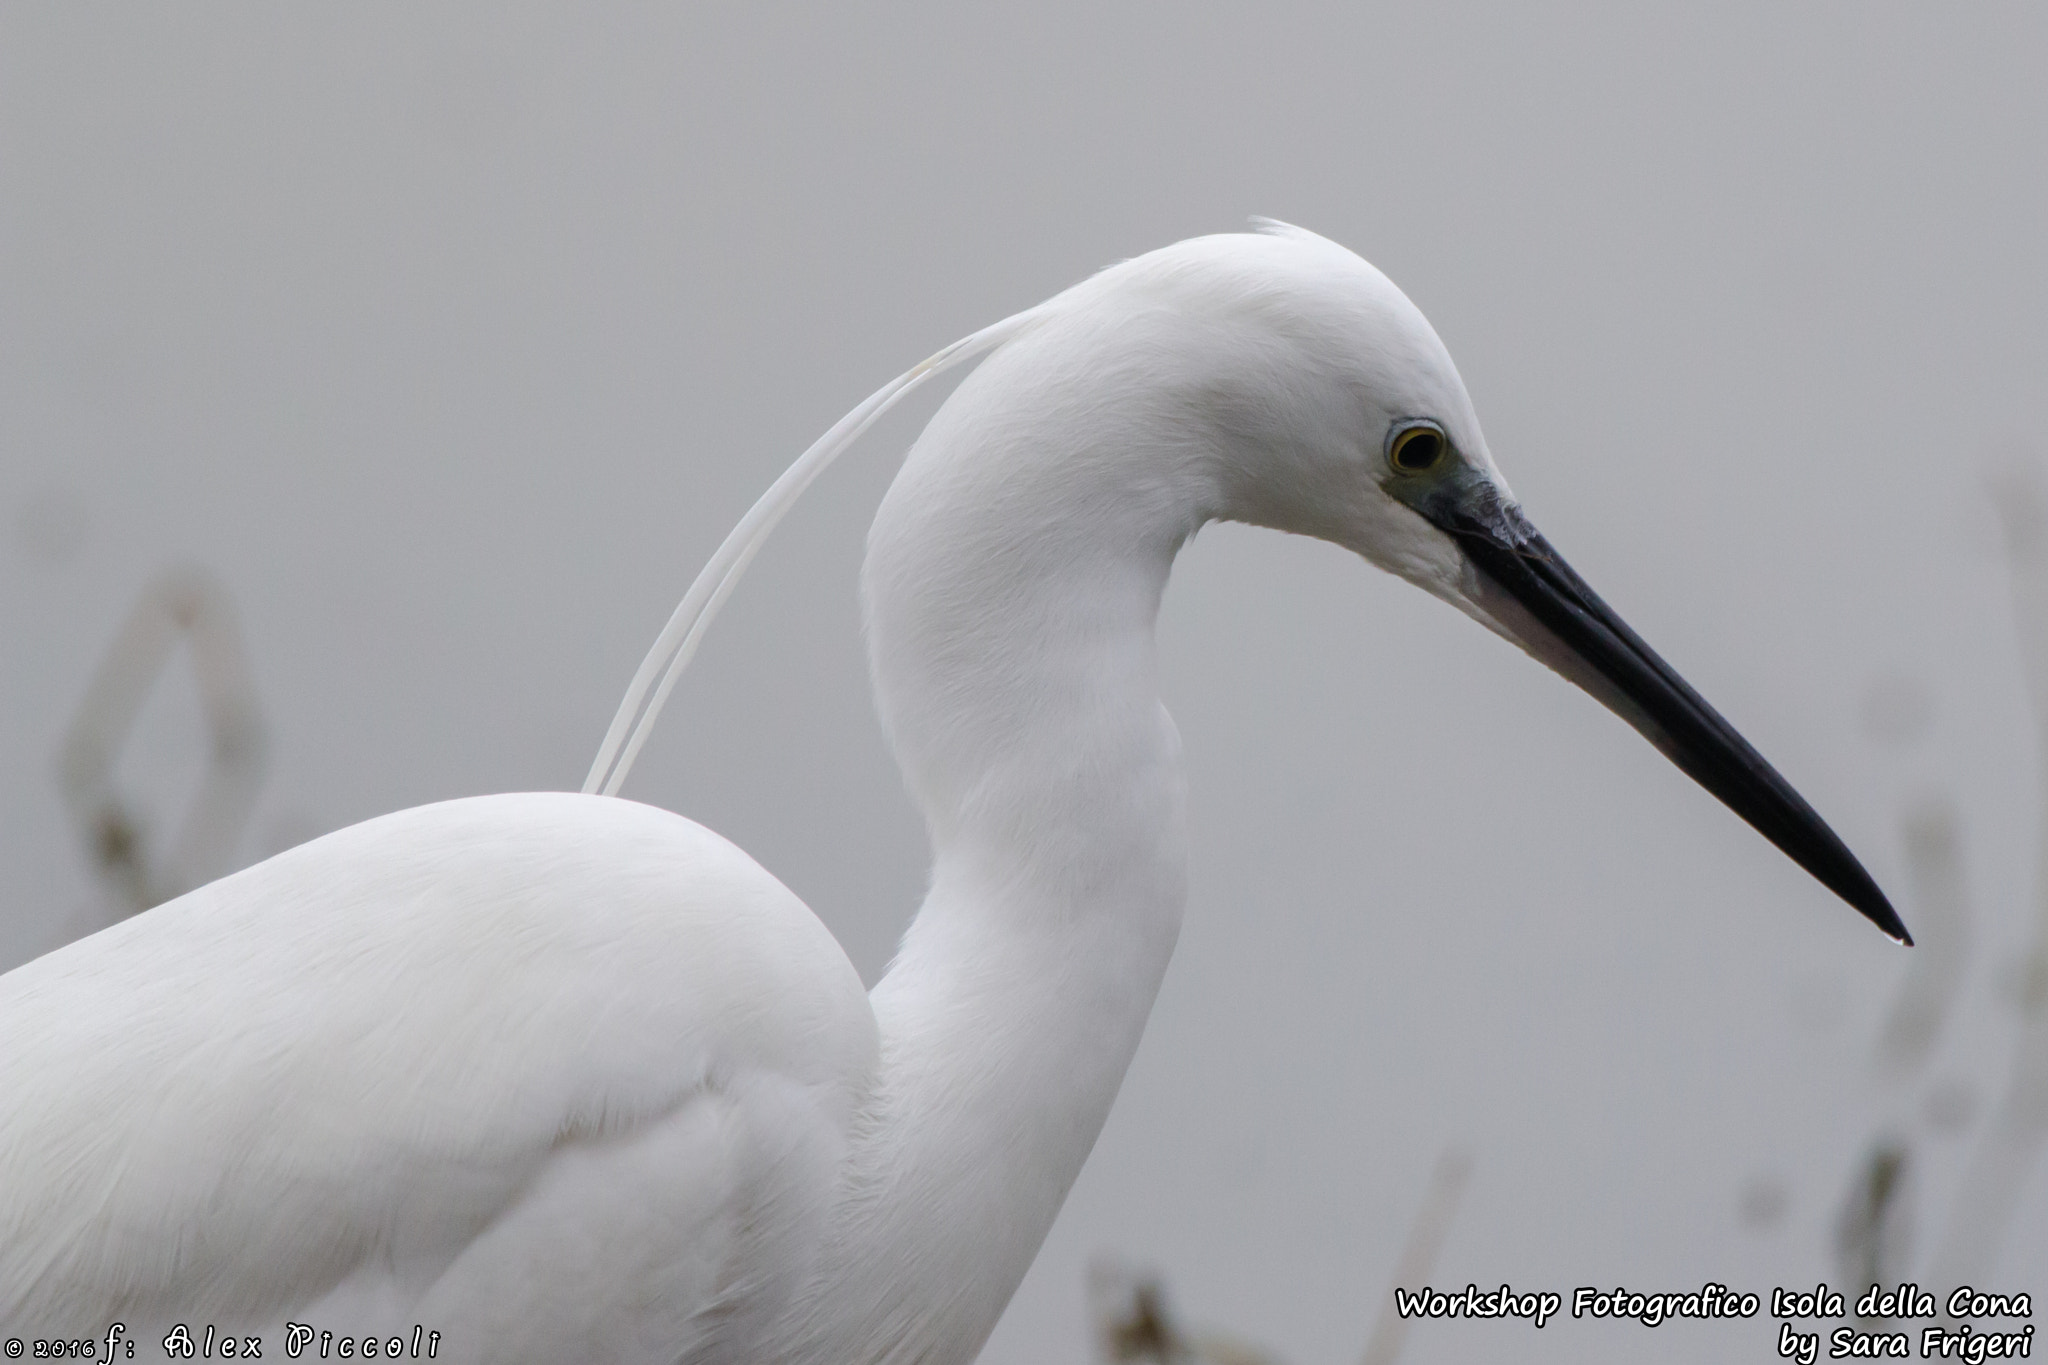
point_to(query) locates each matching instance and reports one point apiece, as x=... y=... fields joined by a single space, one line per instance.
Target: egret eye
x=1416 y=450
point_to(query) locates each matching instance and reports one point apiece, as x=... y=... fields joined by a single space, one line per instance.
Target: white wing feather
x=396 y=1076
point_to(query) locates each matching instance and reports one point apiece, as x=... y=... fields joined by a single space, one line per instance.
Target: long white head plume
x=693 y=615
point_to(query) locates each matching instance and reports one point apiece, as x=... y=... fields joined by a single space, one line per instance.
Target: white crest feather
x=693 y=615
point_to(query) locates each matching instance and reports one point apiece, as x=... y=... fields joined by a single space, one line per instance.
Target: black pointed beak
x=1534 y=596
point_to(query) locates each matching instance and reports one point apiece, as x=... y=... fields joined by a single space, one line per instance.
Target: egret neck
x=1013 y=579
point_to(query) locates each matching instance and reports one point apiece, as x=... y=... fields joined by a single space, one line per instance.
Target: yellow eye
x=1417 y=450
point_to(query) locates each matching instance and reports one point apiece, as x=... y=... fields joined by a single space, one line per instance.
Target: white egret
x=566 y=1078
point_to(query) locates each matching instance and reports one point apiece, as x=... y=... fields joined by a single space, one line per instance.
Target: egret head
x=1345 y=419
x=1272 y=378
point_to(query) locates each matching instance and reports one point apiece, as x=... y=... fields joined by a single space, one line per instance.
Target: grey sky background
x=452 y=338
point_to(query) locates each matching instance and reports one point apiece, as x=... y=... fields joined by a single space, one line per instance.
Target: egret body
x=564 y=1077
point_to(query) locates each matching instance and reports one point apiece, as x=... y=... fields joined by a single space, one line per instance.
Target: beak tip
x=1878 y=911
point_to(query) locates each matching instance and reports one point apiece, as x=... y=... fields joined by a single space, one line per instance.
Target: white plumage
x=418 y=1070
x=566 y=1078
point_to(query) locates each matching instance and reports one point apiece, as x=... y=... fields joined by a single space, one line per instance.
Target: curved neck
x=1011 y=595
